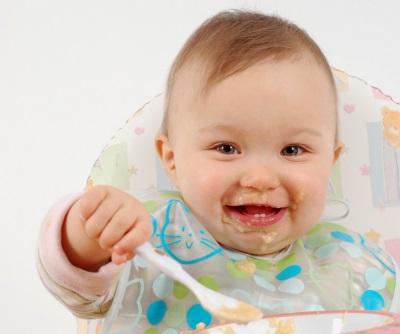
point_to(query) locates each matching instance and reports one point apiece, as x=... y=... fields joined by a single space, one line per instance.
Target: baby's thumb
x=120 y=256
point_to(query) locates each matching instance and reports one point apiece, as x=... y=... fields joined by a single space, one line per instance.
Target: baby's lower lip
x=265 y=218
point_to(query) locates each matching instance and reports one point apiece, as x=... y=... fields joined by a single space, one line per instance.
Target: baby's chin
x=257 y=243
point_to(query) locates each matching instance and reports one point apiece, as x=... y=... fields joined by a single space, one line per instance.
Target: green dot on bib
x=260 y=264
x=209 y=282
x=150 y=205
x=318 y=239
x=391 y=283
x=171 y=194
x=265 y=274
x=151 y=330
x=326 y=250
x=176 y=314
x=180 y=291
x=316 y=228
x=286 y=261
x=335 y=227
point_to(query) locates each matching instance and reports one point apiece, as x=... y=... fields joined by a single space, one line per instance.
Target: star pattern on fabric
x=133 y=170
x=373 y=235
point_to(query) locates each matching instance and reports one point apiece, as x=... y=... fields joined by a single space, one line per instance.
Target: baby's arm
x=105 y=223
x=86 y=294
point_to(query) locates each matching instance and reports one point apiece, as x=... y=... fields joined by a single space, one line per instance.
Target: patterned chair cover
x=364 y=191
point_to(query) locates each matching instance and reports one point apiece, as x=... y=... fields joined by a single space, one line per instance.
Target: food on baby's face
x=267 y=238
x=299 y=197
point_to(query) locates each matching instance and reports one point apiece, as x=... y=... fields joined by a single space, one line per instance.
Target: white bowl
x=324 y=322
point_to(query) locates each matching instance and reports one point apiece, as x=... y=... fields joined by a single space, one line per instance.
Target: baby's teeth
x=261 y=215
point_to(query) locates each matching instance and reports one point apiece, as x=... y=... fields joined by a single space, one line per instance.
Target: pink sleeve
x=86 y=294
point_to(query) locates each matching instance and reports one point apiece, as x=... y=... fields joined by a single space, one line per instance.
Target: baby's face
x=253 y=158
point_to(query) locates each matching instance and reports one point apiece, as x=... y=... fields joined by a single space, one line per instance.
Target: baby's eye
x=227 y=149
x=292 y=151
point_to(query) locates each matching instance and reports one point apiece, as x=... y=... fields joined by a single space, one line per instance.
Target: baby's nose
x=260 y=177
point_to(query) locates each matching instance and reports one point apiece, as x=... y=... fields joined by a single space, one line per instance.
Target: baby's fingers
x=118 y=258
x=119 y=225
x=125 y=248
x=91 y=200
x=101 y=218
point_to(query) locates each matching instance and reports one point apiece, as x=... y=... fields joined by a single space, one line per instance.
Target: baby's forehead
x=197 y=80
x=193 y=85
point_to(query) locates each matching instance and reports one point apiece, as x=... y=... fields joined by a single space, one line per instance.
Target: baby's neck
x=275 y=256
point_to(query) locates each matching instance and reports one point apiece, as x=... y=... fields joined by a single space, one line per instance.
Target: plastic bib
x=302 y=278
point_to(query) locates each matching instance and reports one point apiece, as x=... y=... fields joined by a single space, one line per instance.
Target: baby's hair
x=232 y=41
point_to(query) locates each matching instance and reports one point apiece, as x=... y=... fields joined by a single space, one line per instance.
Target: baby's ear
x=339 y=146
x=166 y=154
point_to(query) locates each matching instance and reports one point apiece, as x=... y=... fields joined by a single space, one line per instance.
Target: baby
x=249 y=137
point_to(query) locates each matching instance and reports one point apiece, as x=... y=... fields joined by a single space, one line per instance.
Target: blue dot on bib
x=351 y=249
x=293 y=286
x=342 y=236
x=261 y=281
x=372 y=300
x=197 y=314
x=162 y=286
x=375 y=279
x=326 y=250
x=156 y=311
x=289 y=272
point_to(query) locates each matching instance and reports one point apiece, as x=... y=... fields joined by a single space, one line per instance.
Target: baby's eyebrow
x=220 y=128
x=305 y=130
x=291 y=130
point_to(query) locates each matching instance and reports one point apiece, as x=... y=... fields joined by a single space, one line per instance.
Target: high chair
x=364 y=189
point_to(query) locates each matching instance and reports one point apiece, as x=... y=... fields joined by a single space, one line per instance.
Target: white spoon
x=224 y=308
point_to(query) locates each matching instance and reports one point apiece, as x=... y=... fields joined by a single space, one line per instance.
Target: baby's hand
x=116 y=220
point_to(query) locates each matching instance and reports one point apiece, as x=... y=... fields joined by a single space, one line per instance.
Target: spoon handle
x=160 y=260
x=222 y=307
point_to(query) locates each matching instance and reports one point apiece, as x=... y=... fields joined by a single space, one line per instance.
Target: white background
x=72 y=72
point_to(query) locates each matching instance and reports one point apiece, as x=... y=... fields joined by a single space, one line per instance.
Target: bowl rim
x=388 y=328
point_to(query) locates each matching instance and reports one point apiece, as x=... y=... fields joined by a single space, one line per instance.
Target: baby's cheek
x=309 y=190
x=204 y=183
x=202 y=198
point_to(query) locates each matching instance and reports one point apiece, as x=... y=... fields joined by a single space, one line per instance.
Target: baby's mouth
x=253 y=215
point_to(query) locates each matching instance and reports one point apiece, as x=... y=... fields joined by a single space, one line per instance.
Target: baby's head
x=228 y=43
x=250 y=130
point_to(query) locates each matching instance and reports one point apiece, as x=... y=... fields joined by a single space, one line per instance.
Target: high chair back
x=364 y=189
